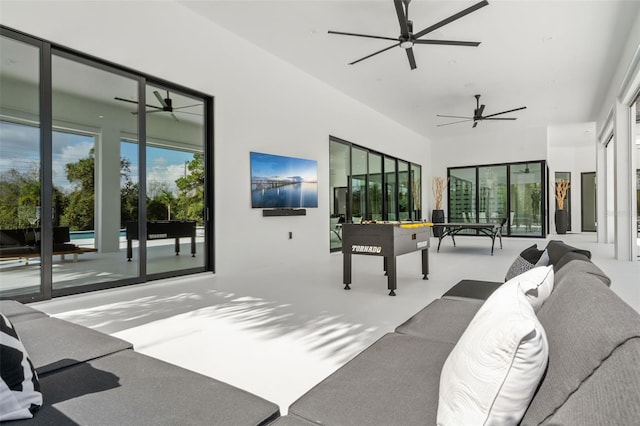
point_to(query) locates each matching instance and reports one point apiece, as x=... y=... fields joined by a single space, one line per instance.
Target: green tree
x=190 y=202
x=19 y=198
x=128 y=202
x=161 y=201
x=79 y=213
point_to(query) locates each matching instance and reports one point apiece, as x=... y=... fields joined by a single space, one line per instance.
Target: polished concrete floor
x=278 y=331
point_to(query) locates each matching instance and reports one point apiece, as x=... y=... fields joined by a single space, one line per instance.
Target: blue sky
x=267 y=165
x=19 y=148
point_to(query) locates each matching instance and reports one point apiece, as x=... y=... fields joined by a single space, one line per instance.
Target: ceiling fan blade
x=135 y=102
x=452 y=18
x=481 y=110
x=412 y=59
x=375 y=53
x=174 y=116
x=187 y=106
x=475 y=123
x=125 y=100
x=187 y=112
x=154 y=111
x=505 y=112
x=499 y=118
x=160 y=98
x=402 y=18
x=362 y=35
x=455 y=122
x=448 y=42
x=454 y=116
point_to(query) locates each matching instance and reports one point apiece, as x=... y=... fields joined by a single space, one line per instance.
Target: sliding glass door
x=525 y=206
x=175 y=181
x=514 y=192
x=103 y=174
x=20 y=167
x=89 y=172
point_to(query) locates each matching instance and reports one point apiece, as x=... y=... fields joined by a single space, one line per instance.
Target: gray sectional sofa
x=90 y=378
x=592 y=376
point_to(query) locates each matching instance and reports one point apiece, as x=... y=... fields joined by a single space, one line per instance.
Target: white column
x=107 y=212
x=625 y=245
x=601 y=190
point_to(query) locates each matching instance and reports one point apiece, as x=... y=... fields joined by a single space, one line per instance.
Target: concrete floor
x=278 y=331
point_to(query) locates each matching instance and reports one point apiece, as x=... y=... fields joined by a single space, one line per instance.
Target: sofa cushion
x=131 y=388
x=443 y=320
x=568 y=257
x=557 y=249
x=585 y=322
x=18 y=312
x=393 y=382
x=616 y=381
x=525 y=261
x=578 y=262
x=54 y=343
x=494 y=369
x=472 y=289
x=291 y=420
x=19 y=386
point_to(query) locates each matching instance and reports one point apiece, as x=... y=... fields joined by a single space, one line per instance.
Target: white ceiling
x=555 y=57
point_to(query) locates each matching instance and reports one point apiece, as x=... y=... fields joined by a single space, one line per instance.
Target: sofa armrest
x=472 y=289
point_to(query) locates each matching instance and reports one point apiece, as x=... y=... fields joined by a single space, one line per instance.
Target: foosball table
x=386 y=239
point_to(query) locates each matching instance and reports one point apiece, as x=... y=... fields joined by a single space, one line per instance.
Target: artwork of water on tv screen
x=283 y=182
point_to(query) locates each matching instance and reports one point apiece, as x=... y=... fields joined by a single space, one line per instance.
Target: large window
x=368 y=185
x=102 y=174
x=492 y=193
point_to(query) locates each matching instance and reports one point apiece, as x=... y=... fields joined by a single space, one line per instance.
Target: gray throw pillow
x=526 y=260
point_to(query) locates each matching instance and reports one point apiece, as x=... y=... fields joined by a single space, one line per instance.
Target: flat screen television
x=283 y=182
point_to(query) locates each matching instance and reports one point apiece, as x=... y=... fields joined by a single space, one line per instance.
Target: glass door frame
x=46 y=52
x=544 y=201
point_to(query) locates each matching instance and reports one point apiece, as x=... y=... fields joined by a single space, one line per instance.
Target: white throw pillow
x=544 y=259
x=536 y=283
x=493 y=371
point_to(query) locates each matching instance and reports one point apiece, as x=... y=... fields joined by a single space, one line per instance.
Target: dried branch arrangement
x=438 y=185
x=562 y=186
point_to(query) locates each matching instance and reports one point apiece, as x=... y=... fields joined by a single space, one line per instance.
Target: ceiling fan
x=407 y=38
x=477 y=115
x=525 y=171
x=166 y=105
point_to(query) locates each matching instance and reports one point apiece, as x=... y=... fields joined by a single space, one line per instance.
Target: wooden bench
x=75 y=252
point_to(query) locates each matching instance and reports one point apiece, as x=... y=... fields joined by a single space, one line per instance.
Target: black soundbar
x=284 y=212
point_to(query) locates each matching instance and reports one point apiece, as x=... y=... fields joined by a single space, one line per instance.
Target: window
x=367 y=185
x=491 y=193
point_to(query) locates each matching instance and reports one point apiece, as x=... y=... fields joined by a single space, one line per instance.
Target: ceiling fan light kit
x=408 y=38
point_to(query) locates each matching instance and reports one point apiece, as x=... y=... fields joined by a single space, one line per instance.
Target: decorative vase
x=437 y=216
x=562 y=222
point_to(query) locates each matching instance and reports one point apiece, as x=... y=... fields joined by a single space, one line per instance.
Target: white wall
x=571 y=150
x=261 y=104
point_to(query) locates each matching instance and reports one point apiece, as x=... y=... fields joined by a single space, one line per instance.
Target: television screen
x=283 y=182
